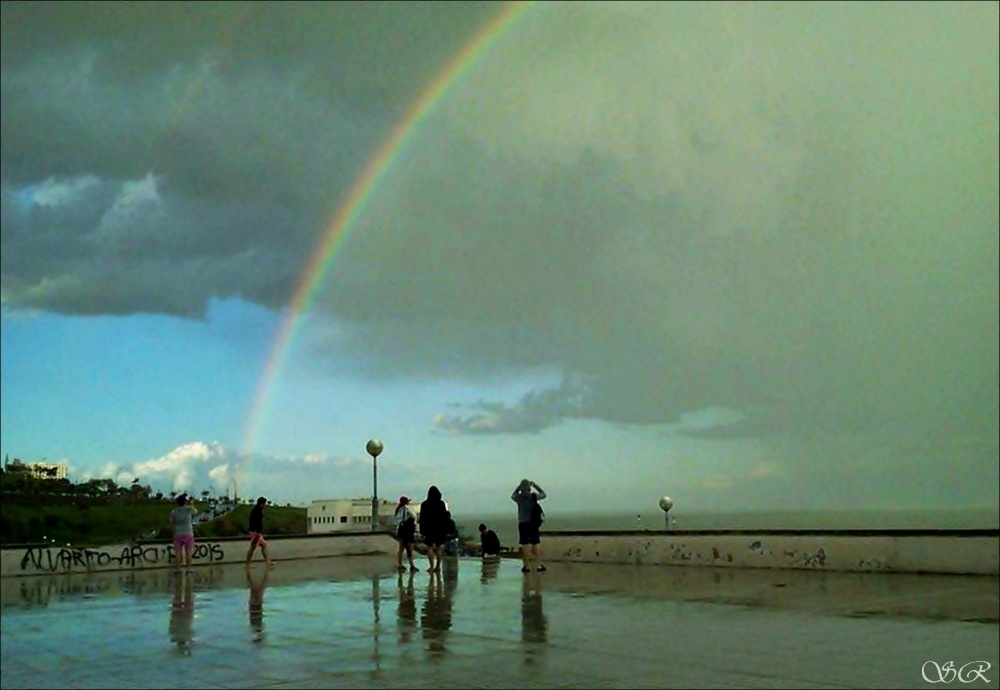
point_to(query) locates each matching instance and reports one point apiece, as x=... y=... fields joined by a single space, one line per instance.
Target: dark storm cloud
x=537 y=410
x=254 y=120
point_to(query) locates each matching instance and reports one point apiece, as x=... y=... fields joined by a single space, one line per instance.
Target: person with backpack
x=529 y=521
x=406 y=533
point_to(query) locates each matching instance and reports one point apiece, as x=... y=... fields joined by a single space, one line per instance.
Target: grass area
x=91 y=522
x=81 y=522
x=277 y=520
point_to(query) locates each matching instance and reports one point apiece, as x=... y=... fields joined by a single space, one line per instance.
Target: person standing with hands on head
x=529 y=521
x=182 y=521
x=257 y=532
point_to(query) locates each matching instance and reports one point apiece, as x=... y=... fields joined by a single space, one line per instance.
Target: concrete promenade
x=352 y=622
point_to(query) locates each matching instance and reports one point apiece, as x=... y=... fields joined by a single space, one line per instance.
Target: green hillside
x=85 y=524
x=83 y=521
x=100 y=511
x=277 y=520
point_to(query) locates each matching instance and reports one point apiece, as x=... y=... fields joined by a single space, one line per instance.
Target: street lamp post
x=666 y=503
x=374 y=448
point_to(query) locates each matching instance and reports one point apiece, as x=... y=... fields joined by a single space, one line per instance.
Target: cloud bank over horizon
x=210 y=466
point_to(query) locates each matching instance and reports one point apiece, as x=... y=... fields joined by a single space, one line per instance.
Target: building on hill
x=37 y=470
x=346 y=514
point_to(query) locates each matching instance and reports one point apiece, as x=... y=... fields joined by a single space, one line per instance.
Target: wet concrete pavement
x=353 y=622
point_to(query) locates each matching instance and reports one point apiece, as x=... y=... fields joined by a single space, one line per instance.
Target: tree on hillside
x=138 y=492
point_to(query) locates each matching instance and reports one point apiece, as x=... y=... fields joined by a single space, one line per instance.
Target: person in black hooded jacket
x=433 y=523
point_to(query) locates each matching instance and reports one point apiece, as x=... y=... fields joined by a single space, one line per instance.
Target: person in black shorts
x=529 y=521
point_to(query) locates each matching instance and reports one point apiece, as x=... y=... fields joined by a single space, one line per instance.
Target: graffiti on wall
x=42 y=589
x=69 y=559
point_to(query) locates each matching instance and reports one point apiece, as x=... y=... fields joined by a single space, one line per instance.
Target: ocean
x=505 y=525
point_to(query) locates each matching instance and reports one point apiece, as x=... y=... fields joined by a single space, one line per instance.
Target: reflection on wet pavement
x=533 y=622
x=355 y=622
x=182 y=614
x=256 y=583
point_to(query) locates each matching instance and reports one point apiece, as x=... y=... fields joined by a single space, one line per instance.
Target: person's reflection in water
x=534 y=624
x=255 y=605
x=491 y=566
x=435 y=619
x=406 y=611
x=450 y=575
x=182 y=613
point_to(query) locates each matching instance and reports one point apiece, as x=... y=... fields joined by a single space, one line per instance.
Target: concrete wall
x=907 y=551
x=910 y=551
x=42 y=559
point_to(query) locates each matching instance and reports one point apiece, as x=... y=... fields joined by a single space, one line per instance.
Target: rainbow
x=357 y=201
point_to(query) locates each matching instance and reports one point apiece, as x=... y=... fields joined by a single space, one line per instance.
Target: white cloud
x=54 y=192
x=199 y=466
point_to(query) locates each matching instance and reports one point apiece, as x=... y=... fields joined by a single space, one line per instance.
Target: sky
x=741 y=254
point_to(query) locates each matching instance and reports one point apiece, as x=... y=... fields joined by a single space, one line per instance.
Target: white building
x=39 y=470
x=347 y=514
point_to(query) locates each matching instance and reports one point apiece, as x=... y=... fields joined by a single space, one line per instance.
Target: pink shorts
x=183 y=541
x=257 y=539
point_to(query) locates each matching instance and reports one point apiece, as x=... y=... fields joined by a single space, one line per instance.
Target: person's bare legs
x=537 y=552
x=188 y=556
x=526 y=556
x=267 y=557
x=250 y=551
